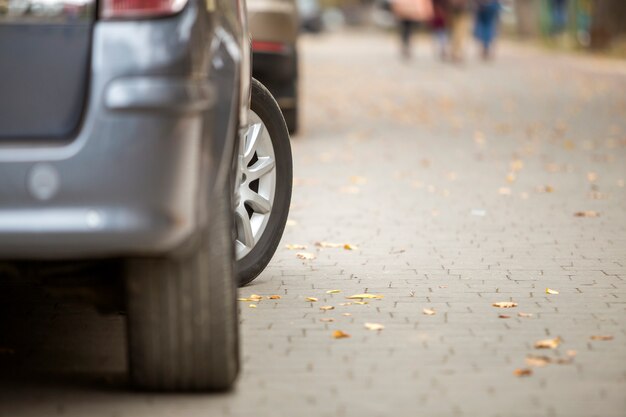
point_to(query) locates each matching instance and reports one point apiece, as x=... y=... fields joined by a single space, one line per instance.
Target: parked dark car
x=126 y=134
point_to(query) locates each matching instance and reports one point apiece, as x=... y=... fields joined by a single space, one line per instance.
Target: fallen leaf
x=311 y=299
x=256 y=297
x=348 y=246
x=326 y=308
x=307 y=256
x=252 y=306
x=525 y=315
x=429 y=311
x=548 y=343
x=345 y=304
x=295 y=246
x=504 y=191
x=505 y=304
x=333 y=291
x=360 y=302
x=545 y=189
x=592 y=176
x=361 y=296
x=602 y=337
x=338 y=334
x=274 y=297
x=523 y=372
x=292 y=223
x=374 y=326
x=516 y=165
x=551 y=291
x=443 y=286
x=327 y=319
x=347 y=314
x=350 y=190
x=511 y=177
x=587 y=213
x=536 y=360
x=571 y=353
x=328 y=245
x=504 y=316
x=357 y=180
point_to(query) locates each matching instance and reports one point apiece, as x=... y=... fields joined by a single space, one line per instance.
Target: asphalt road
x=458 y=188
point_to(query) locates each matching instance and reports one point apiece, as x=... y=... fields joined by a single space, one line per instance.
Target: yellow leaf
x=333 y=291
x=311 y=299
x=523 y=372
x=295 y=246
x=505 y=304
x=516 y=165
x=429 y=311
x=252 y=306
x=291 y=223
x=360 y=302
x=374 y=326
x=348 y=246
x=345 y=304
x=539 y=361
x=338 y=334
x=362 y=296
x=347 y=314
x=307 y=256
x=551 y=291
x=587 y=213
x=274 y=297
x=602 y=337
x=245 y=299
x=326 y=308
x=355 y=179
x=592 y=176
x=327 y=245
x=256 y=297
x=548 y=343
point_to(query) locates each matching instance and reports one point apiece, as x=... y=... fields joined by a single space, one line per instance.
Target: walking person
x=487 y=15
x=459 y=21
x=410 y=14
x=440 y=28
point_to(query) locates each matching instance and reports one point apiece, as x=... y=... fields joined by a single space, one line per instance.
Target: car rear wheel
x=265 y=181
x=182 y=317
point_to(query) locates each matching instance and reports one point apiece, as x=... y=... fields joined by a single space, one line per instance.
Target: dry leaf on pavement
x=333 y=291
x=429 y=311
x=374 y=326
x=602 y=337
x=504 y=191
x=291 y=223
x=536 y=360
x=252 y=306
x=349 y=246
x=311 y=299
x=362 y=296
x=523 y=372
x=524 y=315
x=307 y=256
x=328 y=245
x=551 y=291
x=504 y=316
x=295 y=246
x=274 y=297
x=587 y=213
x=548 y=343
x=326 y=308
x=505 y=304
x=347 y=314
x=327 y=319
x=357 y=180
x=338 y=334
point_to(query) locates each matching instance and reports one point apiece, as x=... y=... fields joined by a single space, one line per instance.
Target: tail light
x=114 y=9
x=263 y=46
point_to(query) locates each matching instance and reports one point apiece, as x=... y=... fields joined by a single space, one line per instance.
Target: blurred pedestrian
x=487 y=15
x=459 y=21
x=411 y=14
x=440 y=28
x=558 y=14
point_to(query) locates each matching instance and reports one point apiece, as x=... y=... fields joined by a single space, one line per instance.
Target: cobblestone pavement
x=459 y=186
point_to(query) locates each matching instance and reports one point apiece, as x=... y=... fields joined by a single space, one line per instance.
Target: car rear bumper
x=129 y=183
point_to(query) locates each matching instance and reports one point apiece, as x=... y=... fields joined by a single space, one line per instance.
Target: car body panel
x=158 y=134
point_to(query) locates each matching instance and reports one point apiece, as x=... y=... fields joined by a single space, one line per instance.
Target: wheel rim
x=257 y=186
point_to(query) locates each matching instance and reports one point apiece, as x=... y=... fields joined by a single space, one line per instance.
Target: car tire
x=182 y=314
x=291 y=119
x=264 y=105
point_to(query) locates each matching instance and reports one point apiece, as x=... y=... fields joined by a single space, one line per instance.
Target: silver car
x=126 y=134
